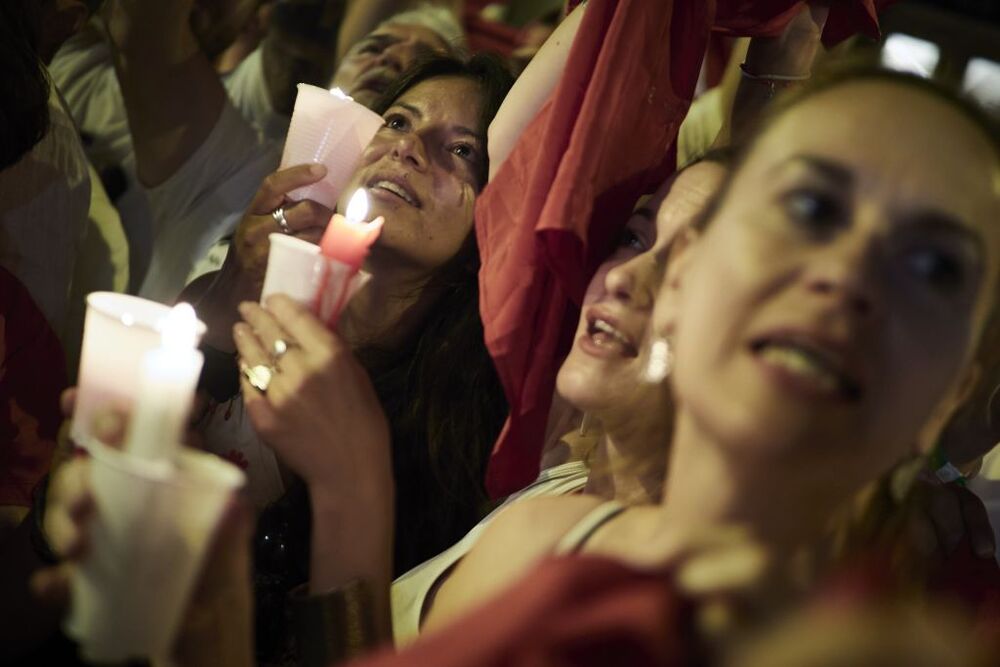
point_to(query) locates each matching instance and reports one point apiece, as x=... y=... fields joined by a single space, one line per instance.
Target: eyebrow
x=381 y=39
x=412 y=109
x=840 y=174
x=460 y=129
x=934 y=220
x=645 y=212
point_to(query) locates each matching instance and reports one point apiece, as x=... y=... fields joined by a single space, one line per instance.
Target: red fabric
x=547 y=219
x=969 y=582
x=571 y=611
x=32 y=375
x=847 y=17
x=975 y=583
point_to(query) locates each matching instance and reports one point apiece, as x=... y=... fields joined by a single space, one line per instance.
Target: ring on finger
x=279 y=217
x=258 y=376
x=279 y=348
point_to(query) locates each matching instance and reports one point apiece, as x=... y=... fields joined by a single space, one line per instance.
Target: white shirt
x=204 y=201
x=409 y=591
x=84 y=71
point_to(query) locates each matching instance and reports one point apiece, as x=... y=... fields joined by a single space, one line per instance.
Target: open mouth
x=810 y=364
x=605 y=335
x=396 y=188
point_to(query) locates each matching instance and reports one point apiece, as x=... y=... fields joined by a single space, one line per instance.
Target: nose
x=409 y=149
x=633 y=282
x=396 y=57
x=847 y=272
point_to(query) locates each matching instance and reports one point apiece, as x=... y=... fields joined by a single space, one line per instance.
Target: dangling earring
x=661 y=361
x=585 y=424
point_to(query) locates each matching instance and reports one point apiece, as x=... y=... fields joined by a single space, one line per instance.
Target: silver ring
x=258 y=376
x=279 y=348
x=279 y=217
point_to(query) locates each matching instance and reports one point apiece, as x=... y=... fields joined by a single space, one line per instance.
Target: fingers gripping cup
x=331 y=129
x=324 y=277
x=298 y=269
x=153 y=525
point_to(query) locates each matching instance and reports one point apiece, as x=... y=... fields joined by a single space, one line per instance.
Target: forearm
x=531 y=90
x=216 y=298
x=172 y=95
x=300 y=47
x=352 y=544
x=791 y=54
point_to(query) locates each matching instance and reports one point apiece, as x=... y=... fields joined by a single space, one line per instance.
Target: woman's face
x=604 y=369
x=833 y=304
x=420 y=173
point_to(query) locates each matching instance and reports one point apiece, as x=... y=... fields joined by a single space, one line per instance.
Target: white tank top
x=410 y=590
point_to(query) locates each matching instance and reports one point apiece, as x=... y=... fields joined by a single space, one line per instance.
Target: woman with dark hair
x=407 y=331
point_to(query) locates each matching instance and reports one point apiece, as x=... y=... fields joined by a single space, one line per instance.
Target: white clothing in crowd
x=162 y=256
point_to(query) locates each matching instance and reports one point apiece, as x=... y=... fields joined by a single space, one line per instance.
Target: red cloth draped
x=605 y=137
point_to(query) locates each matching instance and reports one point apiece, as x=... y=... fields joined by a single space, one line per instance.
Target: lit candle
x=118 y=331
x=348 y=237
x=168 y=377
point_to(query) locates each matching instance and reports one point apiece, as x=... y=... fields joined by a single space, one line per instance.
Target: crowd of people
x=655 y=364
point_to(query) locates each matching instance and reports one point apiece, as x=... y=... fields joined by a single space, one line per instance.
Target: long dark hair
x=440 y=390
x=440 y=393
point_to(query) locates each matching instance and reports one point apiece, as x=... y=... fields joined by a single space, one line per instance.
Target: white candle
x=119 y=330
x=168 y=377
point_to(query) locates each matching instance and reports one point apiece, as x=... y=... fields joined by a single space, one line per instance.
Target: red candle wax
x=348 y=241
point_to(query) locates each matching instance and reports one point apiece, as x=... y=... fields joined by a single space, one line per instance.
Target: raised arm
x=301 y=45
x=172 y=93
x=531 y=90
x=773 y=63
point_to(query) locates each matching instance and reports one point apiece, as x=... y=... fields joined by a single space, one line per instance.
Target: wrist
x=351 y=539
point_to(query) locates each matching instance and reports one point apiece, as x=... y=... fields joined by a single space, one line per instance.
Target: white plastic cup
x=298 y=269
x=153 y=524
x=118 y=331
x=329 y=130
x=294 y=268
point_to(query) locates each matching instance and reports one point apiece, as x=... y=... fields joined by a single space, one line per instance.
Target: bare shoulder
x=516 y=539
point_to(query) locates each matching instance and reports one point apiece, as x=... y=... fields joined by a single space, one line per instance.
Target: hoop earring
x=661 y=361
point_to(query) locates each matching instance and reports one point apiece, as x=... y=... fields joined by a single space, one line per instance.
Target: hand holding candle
x=324 y=277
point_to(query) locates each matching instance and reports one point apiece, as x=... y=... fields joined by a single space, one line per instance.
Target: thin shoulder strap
x=578 y=535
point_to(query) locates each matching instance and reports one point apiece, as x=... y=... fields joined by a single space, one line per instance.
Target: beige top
x=410 y=590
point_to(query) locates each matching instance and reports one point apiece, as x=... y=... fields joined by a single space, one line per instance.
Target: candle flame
x=337 y=92
x=179 y=329
x=357 y=208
